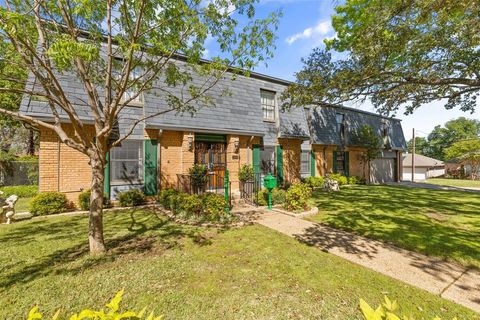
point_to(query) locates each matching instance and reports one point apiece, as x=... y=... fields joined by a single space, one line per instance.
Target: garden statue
x=8 y=208
x=330 y=185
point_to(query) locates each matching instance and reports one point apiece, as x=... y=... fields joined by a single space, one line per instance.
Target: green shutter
x=106 y=182
x=279 y=164
x=312 y=163
x=150 y=167
x=256 y=159
x=204 y=137
x=347 y=164
x=335 y=162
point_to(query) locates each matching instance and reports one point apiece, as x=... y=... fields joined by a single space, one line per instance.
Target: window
x=131 y=92
x=340 y=118
x=385 y=133
x=267 y=160
x=341 y=163
x=127 y=162
x=305 y=162
x=268 y=105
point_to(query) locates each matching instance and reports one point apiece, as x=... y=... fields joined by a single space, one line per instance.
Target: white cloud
x=322 y=30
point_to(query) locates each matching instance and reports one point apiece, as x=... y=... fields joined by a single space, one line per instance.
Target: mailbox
x=269 y=182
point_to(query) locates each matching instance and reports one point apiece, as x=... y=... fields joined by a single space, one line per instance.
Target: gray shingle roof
x=239 y=112
x=421 y=161
x=323 y=126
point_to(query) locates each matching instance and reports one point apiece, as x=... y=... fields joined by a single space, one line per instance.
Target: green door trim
x=150 y=168
x=205 y=137
x=279 y=164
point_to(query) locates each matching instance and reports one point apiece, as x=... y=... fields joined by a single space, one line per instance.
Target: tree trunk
x=31 y=142
x=95 y=224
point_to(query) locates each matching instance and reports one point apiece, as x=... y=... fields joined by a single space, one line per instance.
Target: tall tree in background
x=126 y=46
x=397 y=53
x=421 y=146
x=12 y=133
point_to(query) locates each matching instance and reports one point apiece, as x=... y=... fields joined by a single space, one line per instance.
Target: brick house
x=245 y=127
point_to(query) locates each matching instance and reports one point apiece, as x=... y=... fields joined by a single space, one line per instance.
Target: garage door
x=382 y=170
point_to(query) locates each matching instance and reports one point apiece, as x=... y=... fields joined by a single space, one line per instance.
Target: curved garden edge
x=301 y=214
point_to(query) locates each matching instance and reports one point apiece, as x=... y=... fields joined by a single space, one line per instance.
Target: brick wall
x=62 y=168
x=356 y=167
x=170 y=157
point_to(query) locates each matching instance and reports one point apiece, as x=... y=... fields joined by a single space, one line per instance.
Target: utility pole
x=413 y=155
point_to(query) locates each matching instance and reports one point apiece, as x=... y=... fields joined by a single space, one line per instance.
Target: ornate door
x=213 y=156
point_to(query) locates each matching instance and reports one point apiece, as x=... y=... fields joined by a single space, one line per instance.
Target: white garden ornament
x=330 y=185
x=8 y=209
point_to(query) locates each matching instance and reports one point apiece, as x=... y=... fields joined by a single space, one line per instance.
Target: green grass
x=440 y=223
x=455 y=182
x=190 y=273
x=22 y=204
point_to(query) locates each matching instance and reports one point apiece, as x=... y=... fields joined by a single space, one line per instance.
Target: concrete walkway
x=450 y=281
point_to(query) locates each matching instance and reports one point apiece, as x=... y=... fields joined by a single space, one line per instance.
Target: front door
x=213 y=156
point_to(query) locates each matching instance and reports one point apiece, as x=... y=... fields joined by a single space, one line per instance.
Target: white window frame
x=268 y=103
x=138 y=160
x=130 y=92
x=305 y=162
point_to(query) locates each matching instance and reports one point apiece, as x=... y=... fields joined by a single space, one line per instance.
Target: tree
x=371 y=143
x=114 y=47
x=454 y=130
x=395 y=53
x=12 y=134
x=467 y=152
x=421 y=146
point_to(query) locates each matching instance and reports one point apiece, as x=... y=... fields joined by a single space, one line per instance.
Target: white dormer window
x=130 y=93
x=268 y=105
x=340 y=120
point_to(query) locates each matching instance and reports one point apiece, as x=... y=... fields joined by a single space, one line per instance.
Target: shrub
x=177 y=201
x=278 y=196
x=21 y=191
x=198 y=174
x=213 y=205
x=191 y=205
x=84 y=200
x=262 y=197
x=342 y=180
x=112 y=312
x=48 y=203
x=164 y=197
x=386 y=311
x=246 y=173
x=131 y=198
x=314 y=182
x=354 y=180
x=297 y=197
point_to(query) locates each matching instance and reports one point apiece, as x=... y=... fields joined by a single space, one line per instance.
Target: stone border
x=302 y=214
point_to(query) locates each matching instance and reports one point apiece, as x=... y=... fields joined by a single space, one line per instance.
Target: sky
x=304 y=26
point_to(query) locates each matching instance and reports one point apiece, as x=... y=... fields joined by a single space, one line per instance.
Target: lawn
x=440 y=223
x=190 y=273
x=22 y=204
x=455 y=182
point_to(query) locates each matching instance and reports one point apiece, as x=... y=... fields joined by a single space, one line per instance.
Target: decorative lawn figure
x=8 y=208
x=330 y=185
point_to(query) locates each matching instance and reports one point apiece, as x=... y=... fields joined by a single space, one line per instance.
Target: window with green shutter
x=150 y=167
x=341 y=162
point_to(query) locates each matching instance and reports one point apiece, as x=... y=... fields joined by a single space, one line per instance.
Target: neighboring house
x=425 y=167
x=455 y=169
x=245 y=127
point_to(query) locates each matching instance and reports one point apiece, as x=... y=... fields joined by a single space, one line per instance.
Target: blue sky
x=304 y=25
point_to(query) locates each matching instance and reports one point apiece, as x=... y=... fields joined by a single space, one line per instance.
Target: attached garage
x=383 y=170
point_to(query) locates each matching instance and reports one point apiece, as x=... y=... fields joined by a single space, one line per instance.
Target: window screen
x=126 y=162
x=268 y=104
x=305 y=162
x=267 y=160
